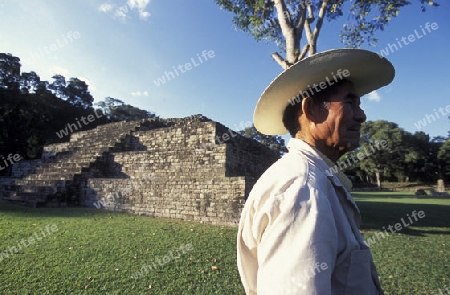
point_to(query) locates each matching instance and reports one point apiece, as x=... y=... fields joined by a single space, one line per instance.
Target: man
x=299 y=229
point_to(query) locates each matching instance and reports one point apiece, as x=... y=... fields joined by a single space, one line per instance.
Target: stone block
x=116 y=159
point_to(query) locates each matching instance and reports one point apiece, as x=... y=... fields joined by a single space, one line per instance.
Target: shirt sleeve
x=295 y=235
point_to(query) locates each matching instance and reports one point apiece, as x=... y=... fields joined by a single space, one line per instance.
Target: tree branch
x=308 y=22
x=311 y=13
x=302 y=18
x=286 y=29
x=299 y=29
x=303 y=53
x=281 y=61
x=323 y=7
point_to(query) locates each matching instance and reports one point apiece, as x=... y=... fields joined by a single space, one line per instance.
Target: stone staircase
x=64 y=165
x=189 y=168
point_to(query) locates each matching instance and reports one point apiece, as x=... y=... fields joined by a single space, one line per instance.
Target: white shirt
x=299 y=232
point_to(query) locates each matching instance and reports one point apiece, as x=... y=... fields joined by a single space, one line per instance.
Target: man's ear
x=309 y=109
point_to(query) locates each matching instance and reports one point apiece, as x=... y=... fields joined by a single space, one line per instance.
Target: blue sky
x=121 y=47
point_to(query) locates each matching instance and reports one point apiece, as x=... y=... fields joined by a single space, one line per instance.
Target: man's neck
x=330 y=152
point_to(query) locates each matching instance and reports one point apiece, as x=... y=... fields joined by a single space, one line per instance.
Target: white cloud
x=144 y=14
x=106 y=7
x=122 y=12
x=141 y=5
x=138 y=93
x=374 y=96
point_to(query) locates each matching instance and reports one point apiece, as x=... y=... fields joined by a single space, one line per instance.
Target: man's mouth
x=355 y=128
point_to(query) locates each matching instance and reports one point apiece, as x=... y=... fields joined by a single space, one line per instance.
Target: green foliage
x=259 y=18
x=32 y=111
x=273 y=142
x=30 y=121
x=74 y=91
x=108 y=105
x=9 y=72
x=116 y=110
x=31 y=83
x=78 y=93
x=444 y=158
x=59 y=86
x=384 y=161
x=421 y=162
x=412 y=157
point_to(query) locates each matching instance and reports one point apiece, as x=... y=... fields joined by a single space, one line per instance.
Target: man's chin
x=350 y=146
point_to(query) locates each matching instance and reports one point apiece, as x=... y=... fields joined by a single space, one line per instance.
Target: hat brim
x=367 y=71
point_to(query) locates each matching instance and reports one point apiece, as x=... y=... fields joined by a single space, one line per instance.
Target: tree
x=109 y=105
x=285 y=21
x=32 y=112
x=420 y=157
x=31 y=83
x=9 y=72
x=75 y=91
x=273 y=142
x=408 y=157
x=444 y=159
x=78 y=94
x=116 y=110
x=386 y=161
x=59 y=86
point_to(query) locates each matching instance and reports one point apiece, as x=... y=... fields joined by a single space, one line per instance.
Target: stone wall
x=188 y=168
x=215 y=201
x=24 y=168
x=52 y=150
x=188 y=171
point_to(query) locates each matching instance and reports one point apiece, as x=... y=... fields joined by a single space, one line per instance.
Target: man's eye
x=353 y=104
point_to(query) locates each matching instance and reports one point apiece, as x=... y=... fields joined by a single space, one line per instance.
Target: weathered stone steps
x=160 y=167
x=70 y=160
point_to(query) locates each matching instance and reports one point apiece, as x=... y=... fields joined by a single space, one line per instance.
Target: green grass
x=96 y=252
x=416 y=259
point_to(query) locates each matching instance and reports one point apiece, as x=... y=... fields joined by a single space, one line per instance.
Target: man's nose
x=359 y=115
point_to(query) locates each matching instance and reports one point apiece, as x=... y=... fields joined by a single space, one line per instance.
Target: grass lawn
x=96 y=252
x=415 y=259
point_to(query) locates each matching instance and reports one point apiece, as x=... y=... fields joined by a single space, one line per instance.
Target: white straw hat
x=367 y=71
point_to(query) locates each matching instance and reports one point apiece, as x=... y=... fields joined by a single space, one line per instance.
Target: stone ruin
x=187 y=168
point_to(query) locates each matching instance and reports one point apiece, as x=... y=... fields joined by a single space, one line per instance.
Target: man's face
x=340 y=124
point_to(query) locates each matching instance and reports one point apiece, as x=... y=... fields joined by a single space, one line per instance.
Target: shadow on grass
x=376 y=215
x=403 y=196
x=396 y=195
x=22 y=211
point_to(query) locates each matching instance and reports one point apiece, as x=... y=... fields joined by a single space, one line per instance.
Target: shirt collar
x=321 y=161
x=299 y=146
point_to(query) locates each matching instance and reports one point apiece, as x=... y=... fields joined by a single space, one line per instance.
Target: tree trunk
x=292 y=33
x=315 y=35
x=377 y=174
x=440 y=186
x=288 y=32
